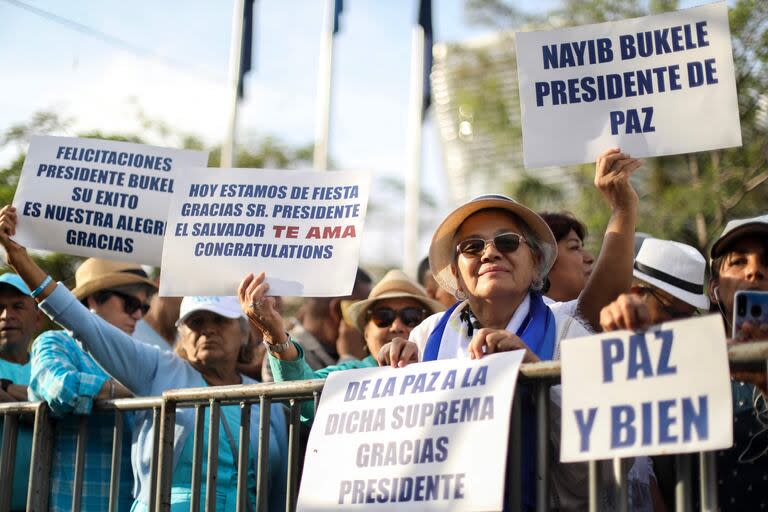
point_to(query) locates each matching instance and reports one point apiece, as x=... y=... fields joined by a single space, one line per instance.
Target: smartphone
x=750 y=315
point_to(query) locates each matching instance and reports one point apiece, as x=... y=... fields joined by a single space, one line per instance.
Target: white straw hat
x=676 y=268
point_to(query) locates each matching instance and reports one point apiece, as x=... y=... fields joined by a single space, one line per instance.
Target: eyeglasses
x=384 y=317
x=666 y=307
x=131 y=304
x=505 y=242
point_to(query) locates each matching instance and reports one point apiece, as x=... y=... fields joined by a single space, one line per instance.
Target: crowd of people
x=498 y=277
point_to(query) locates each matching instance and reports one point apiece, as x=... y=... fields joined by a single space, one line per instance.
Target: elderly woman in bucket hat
x=212 y=336
x=494 y=254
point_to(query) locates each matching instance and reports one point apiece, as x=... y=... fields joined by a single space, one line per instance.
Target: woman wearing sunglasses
x=68 y=379
x=395 y=305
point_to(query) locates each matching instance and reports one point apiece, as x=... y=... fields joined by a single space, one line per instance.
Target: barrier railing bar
x=39 y=475
x=197 y=458
x=316 y=400
x=8 y=459
x=235 y=394
x=708 y=481
x=293 y=455
x=155 y=453
x=77 y=484
x=165 y=457
x=683 y=484
x=595 y=487
x=514 y=462
x=622 y=487
x=214 y=414
x=542 y=446
x=242 y=457
x=117 y=458
x=265 y=409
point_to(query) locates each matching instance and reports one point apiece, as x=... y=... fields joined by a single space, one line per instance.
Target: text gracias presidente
x=138 y=224
x=640 y=82
x=407 y=452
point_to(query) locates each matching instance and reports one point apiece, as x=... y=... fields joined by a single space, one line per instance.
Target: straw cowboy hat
x=394 y=285
x=676 y=268
x=95 y=275
x=442 y=250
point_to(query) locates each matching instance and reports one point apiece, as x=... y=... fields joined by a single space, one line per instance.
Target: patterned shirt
x=67 y=379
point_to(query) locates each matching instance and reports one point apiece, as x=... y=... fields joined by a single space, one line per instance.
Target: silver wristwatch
x=279 y=348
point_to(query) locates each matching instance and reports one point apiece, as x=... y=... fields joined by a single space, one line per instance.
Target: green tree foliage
x=684 y=197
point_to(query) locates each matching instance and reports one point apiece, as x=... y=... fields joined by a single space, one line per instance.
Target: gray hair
x=542 y=252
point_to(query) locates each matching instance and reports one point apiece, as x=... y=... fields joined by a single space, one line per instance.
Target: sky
x=170 y=60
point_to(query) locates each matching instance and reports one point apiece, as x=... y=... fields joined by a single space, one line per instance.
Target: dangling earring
x=460 y=294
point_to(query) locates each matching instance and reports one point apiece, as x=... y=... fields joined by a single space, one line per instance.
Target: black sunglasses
x=505 y=242
x=131 y=304
x=384 y=317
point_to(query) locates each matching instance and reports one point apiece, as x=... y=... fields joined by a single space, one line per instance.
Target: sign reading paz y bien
x=657 y=85
x=666 y=390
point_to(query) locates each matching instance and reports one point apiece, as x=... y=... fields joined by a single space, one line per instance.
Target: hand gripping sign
x=666 y=390
x=302 y=228
x=428 y=437
x=657 y=85
x=99 y=198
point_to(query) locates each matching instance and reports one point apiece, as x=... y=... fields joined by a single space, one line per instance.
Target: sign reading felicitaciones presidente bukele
x=91 y=197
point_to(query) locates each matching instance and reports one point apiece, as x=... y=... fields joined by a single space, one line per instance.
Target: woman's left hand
x=260 y=309
x=489 y=341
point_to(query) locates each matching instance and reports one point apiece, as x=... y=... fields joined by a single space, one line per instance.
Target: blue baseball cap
x=14 y=280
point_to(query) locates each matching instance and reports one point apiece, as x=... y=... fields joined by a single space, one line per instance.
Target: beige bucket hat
x=96 y=274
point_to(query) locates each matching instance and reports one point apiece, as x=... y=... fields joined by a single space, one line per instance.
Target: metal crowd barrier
x=538 y=378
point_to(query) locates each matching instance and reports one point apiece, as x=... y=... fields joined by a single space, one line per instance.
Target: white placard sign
x=431 y=436
x=99 y=198
x=657 y=85
x=666 y=390
x=302 y=228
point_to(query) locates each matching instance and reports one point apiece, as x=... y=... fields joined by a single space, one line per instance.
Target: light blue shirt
x=148 y=371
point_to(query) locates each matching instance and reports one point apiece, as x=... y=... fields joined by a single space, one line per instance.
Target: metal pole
x=622 y=486
x=235 y=51
x=324 y=79
x=542 y=446
x=40 y=473
x=242 y=457
x=293 y=456
x=707 y=481
x=8 y=458
x=117 y=459
x=683 y=483
x=413 y=141
x=77 y=484
x=514 y=457
x=265 y=409
x=595 y=491
x=197 y=458
x=165 y=457
x=153 y=463
x=213 y=456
